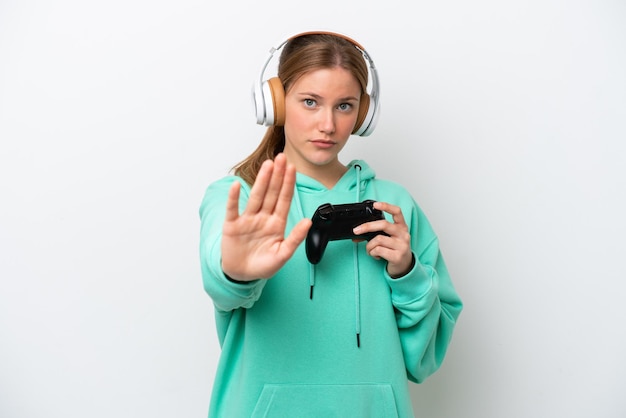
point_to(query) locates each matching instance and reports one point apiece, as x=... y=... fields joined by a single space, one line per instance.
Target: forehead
x=329 y=81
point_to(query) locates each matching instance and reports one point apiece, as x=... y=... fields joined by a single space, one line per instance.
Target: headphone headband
x=269 y=95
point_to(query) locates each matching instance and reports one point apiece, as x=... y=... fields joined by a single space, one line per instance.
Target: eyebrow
x=317 y=96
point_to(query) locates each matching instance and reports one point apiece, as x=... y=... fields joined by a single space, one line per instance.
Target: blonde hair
x=300 y=56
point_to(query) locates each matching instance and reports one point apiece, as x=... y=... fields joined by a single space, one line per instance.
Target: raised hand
x=254 y=245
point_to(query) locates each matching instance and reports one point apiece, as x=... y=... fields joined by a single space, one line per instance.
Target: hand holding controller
x=336 y=222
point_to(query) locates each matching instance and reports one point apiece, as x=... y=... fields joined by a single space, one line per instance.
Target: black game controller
x=335 y=222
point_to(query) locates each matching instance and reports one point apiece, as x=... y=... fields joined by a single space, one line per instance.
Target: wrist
x=230 y=279
x=406 y=271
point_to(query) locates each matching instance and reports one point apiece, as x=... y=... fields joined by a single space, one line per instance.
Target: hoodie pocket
x=327 y=401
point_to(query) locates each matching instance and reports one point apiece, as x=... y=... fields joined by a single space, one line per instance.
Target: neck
x=328 y=175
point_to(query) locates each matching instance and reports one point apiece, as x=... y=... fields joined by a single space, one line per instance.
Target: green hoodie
x=286 y=354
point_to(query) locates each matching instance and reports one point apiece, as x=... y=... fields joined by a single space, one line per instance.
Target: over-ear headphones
x=269 y=95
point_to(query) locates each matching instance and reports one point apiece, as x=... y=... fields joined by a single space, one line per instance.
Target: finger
x=286 y=191
x=275 y=184
x=398 y=261
x=295 y=237
x=400 y=242
x=393 y=210
x=259 y=188
x=377 y=250
x=232 y=203
x=373 y=226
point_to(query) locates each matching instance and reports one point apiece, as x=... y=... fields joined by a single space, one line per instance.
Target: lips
x=323 y=144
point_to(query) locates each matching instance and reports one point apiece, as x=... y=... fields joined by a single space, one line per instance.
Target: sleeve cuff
x=417 y=283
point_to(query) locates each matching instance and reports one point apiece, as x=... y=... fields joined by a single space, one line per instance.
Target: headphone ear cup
x=270 y=107
x=361 y=123
x=258 y=102
x=277 y=96
x=369 y=114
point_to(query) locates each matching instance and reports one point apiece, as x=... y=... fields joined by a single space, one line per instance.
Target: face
x=321 y=109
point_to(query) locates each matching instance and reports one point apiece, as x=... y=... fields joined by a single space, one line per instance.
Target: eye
x=344 y=107
x=309 y=102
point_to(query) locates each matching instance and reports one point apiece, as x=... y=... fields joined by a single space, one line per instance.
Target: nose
x=326 y=121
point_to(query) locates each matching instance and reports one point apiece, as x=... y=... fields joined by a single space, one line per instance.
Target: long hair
x=300 y=56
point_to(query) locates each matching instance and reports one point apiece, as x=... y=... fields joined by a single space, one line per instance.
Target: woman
x=288 y=351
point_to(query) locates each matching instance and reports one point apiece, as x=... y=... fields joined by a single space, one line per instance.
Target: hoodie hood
x=310 y=193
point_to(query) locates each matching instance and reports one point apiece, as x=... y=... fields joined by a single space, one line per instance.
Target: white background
x=506 y=120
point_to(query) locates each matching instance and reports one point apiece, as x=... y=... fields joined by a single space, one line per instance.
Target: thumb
x=296 y=236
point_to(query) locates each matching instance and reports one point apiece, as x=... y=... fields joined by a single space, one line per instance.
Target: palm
x=253 y=242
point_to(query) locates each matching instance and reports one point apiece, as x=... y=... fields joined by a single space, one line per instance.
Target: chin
x=322 y=161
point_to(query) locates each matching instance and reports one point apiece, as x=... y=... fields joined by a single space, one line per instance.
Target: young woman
x=342 y=337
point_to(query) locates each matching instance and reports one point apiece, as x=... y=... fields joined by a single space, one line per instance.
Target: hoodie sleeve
x=426 y=303
x=226 y=294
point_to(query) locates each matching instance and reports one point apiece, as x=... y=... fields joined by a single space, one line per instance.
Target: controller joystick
x=336 y=222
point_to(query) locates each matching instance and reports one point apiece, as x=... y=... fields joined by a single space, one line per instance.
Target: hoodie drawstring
x=311 y=266
x=357 y=277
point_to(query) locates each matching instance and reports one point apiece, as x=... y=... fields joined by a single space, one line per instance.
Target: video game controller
x=335 y=222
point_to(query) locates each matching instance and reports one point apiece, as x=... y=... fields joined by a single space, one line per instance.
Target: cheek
x=292 y=126
x=346 y=124
x=295 y=118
